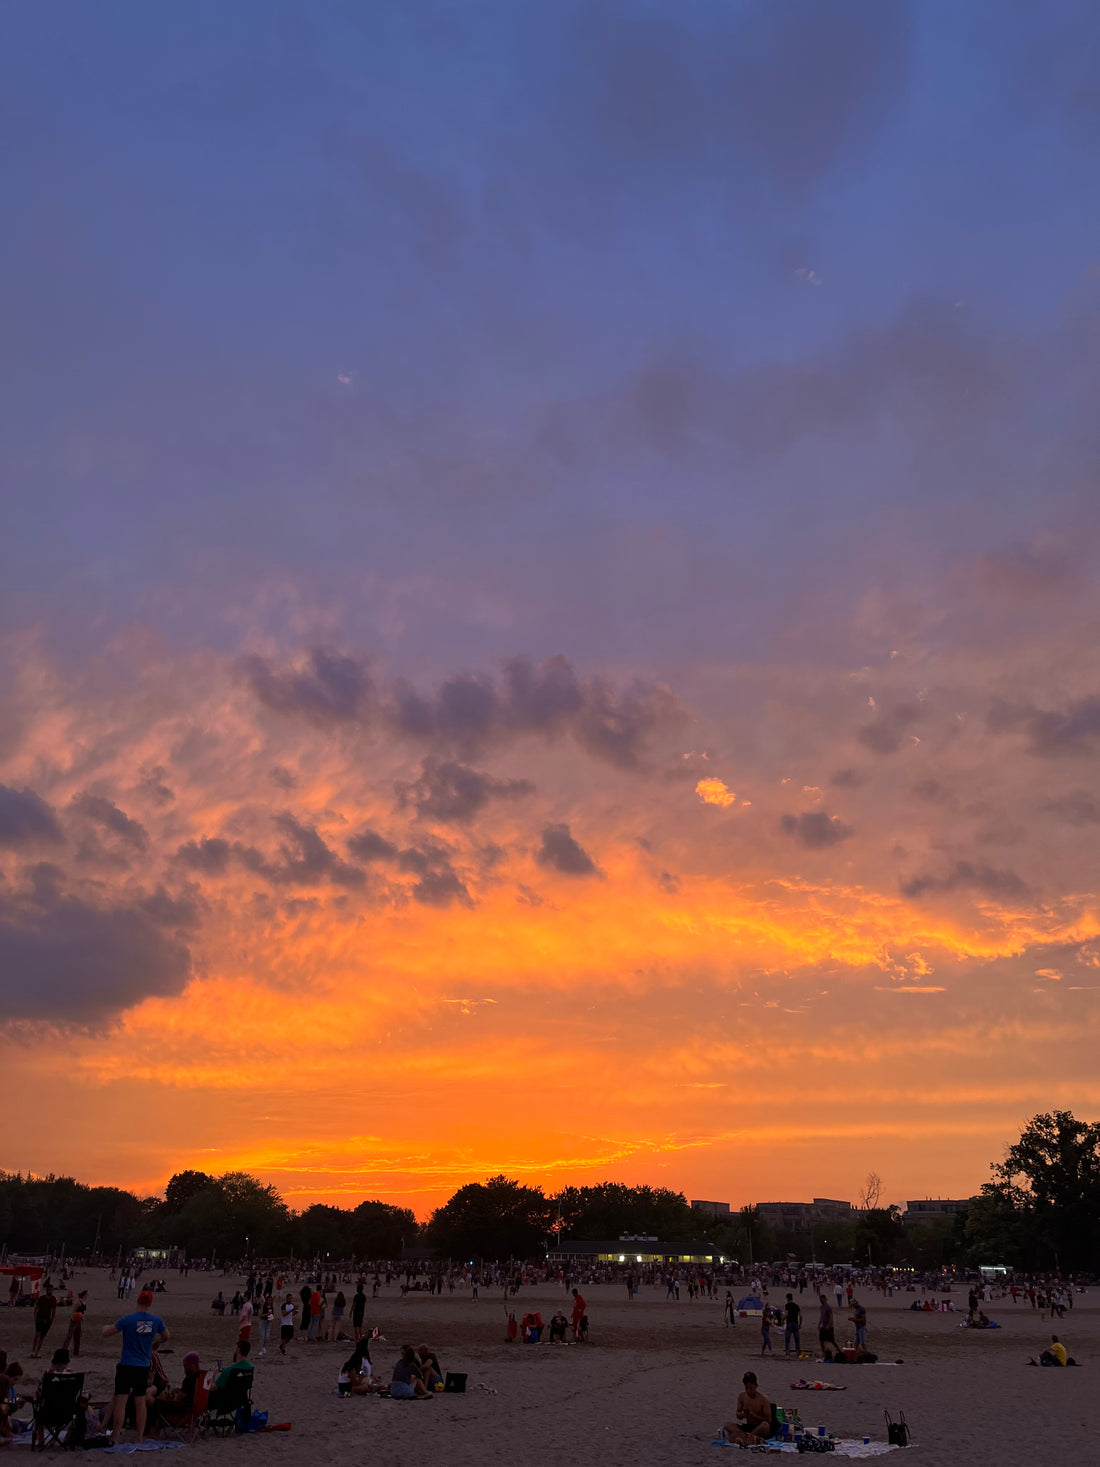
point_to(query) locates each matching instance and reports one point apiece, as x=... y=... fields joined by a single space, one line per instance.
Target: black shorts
x=131 y=1380
x=287 y=1331
x=826 y=1336
x=42 y=1327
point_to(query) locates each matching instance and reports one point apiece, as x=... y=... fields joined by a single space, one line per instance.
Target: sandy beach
x=650 y=1387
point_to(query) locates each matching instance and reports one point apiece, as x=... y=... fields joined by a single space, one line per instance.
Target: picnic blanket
x=844 y=1448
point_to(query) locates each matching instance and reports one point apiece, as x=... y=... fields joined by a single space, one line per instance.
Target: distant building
x=714 y=1209
x=800 y=1216
x=633 y=1250
x=935 y=1209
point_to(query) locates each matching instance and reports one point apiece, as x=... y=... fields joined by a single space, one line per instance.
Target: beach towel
x=853 y=1448
x=129 y=1447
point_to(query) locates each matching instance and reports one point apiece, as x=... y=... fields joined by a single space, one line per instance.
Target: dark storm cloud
x=282 y=778
x=559 y=851
x=326 y=688
x=455 y=793
x=815 y=830
x=106 y=814
x=890 y=729
x=65 y=960
x=441 y=889
x=25 y=817
x=470 y=711
x=966 y=876
x=368 y=845
x=439 y=884
x=1073 y=729
x=182 y=911
x=210 y=855
x=305 y=857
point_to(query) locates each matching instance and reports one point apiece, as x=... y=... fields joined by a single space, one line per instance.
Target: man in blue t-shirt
x=141 y=1333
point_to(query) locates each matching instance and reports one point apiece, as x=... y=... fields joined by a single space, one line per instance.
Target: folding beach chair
x=55 y=1409
x=185 y=1426
x=230 y=1405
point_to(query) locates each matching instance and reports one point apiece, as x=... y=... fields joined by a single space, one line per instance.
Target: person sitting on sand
x=558 y=1325
x=431 y=1371
x=177 y=1400
x=356 y=1376
x=1054 y=1354
x=754 y=1415
x=10 y=1399
x=406 y=1383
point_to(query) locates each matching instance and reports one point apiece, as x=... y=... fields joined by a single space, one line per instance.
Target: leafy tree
x=757 y=1237
x=610 y=1208
x=380 y=1230
x=323 y=1232
x=499 y=1218
x=182 y=1187
x=1045 y=1195
x=881 y=1230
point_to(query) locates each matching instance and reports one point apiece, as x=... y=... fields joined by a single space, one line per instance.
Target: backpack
x=897 y=1432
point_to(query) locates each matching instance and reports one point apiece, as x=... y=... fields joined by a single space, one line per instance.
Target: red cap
x=145 y=1298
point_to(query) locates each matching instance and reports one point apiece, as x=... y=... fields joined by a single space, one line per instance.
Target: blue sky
x=497 y=220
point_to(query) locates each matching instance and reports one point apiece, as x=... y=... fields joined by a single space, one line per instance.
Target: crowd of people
x=145 y=1400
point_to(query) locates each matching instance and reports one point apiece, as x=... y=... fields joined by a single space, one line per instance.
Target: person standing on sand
x=792 y=1326
x=44 y=1310
x=838 y=1290
x=578 y=1314
x=141 y=1332
x=858 y=1317
x=286 y=1327
x=358 y=1310
x=766 y=1331
x=304 y=1294
x=825 y=1332
x=76 y=1322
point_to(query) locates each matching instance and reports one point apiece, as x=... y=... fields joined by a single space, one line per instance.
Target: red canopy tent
x=31 y=1273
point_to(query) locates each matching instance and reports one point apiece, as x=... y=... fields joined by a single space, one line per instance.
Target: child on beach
x=766 y=1331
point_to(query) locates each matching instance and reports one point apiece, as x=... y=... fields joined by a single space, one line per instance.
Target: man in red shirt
x=314 y=1314
x=578 y=1313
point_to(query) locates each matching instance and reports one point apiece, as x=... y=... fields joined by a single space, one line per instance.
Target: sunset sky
x=548 y=591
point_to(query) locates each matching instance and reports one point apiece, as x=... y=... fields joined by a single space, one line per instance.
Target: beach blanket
x=853 y=1448
x=815 y=1385
x=127 y=1447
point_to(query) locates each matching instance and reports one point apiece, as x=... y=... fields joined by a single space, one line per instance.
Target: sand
x=649 y=1388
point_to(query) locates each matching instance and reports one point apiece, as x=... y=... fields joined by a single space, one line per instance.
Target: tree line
x=1040 y=1211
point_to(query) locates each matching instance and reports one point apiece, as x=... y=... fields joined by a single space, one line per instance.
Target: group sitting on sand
x=415 y=1376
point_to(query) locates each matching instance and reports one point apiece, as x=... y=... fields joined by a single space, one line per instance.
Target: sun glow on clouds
x=715 y=792
x=378 y=928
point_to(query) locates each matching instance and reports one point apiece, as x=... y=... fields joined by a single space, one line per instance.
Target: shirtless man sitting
x=754 y=1415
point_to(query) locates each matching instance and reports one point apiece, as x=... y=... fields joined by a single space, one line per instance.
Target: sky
x=548 y=591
